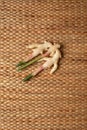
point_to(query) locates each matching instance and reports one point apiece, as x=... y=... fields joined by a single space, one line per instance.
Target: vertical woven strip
x=47 y=102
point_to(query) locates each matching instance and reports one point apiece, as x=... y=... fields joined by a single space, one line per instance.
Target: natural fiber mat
x=46 y=102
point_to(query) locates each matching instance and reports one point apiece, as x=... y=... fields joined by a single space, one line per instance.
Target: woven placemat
x=47 y=102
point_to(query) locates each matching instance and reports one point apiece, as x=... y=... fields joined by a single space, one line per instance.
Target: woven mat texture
x=47 y=102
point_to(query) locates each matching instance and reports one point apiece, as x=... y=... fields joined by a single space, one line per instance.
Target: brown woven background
x=47 y=102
